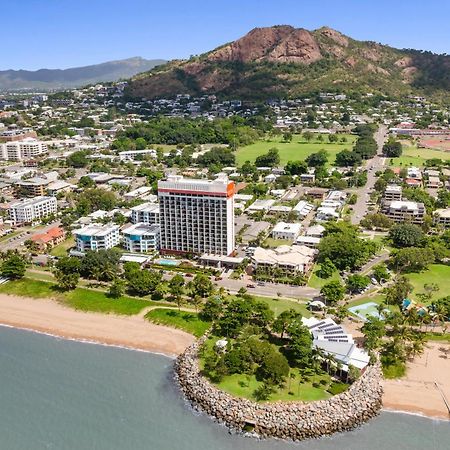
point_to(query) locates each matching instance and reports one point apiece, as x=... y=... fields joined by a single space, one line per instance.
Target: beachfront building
x=25 y=149
x=404 y=211
x=97 y=237
x=141 y=238
x=28 y=211
x=145 y=213
x=332 y=339
x=196 y=216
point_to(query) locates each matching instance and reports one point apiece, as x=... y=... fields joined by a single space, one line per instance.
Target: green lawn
x=316 y=282
x=278 y=305
x=437 y=274
x=272 y=243
x=61 y=249
x=241 y=385
x=413 y=156
x=186 y=321
x=80 y=298
x=297 y=149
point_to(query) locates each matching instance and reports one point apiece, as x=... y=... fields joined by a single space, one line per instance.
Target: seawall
x=284 y=420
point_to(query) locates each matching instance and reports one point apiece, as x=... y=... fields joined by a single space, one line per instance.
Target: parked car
x=251 y=286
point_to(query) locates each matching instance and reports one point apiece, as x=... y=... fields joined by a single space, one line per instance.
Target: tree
x=270 y=159
x=14 y=267
x=347 y=158
x=202 y=285
x=318 y=159
x=117 y=288
x=307 y=136
x=398 y=291
x=332 y=292
x=144 y=282
x=412 y=259
x=287 y=136
x=274 y=367
x=380 y=273
x=327 y=268
x=296 y=167
x=357 y=283
x=285 y=320
x=66 y=281
x=301 y=343
x=374 y=330
x=77 y=159
x=406 y=235
x=86 y=182
x=176 y=288
x=392 y=149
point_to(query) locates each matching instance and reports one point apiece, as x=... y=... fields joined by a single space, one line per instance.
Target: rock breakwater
x=284 y=420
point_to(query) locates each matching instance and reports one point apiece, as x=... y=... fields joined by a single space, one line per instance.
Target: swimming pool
x=167 y=262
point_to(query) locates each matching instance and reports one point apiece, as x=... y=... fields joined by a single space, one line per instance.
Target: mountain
x=51 y=79
x=288 y=62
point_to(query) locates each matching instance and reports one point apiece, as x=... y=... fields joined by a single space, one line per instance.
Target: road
x=375 y=164
x=268 y=289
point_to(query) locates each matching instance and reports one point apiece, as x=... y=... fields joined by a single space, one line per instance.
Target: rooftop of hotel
x=96 y=230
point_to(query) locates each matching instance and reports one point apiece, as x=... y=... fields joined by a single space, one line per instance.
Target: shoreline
x=47 y=316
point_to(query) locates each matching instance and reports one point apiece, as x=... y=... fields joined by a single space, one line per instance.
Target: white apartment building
x=405 y=211
x=25 y=149
x=288 y=231
x=442 y=217
x=196 y=216
x=147 y=213
x=141 y=237
x=133 y=155
x=393 y=192
x=97 y=237
x=32 y=209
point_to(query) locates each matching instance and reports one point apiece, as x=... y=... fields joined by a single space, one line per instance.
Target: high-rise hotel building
x=196 y=216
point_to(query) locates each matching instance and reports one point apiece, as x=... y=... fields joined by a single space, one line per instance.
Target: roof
x=96 y=230
x=48 y=236
x=295 y=255
x=283 y=227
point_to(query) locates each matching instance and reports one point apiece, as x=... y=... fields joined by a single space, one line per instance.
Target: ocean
x=67 y=395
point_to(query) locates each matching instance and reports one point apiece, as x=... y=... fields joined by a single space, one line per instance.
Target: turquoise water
x=167 y=262
x=65 y=395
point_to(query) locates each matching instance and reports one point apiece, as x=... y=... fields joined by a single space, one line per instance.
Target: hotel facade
x=196 y=216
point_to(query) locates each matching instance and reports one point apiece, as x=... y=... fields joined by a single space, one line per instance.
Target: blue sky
x=68 y=33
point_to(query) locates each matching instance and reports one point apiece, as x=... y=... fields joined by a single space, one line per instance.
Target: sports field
x=413 y=156
x=297 y=149
x=438 y=274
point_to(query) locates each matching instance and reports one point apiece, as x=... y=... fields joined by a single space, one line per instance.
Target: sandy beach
x=417 y=391
x=49 y=316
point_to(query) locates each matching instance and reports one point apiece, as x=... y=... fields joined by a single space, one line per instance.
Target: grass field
x=278 y=305
x=437 y=274
x=413 y=156
x=80 y=298
x=273 y=243
x=61 y=249
x=297 y=149
x=316 y=282
x=241 y=385
x=186 y=321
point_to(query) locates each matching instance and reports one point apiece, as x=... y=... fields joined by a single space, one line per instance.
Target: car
x=189 y=275
x=217 y=278
x=251 y=286
x=261 y=283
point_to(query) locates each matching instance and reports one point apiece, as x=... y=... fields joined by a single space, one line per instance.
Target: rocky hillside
x=51 y=79
x=288 y=61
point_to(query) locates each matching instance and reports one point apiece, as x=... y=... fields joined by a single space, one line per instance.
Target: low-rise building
x=287 y=231
x=404 y=211
x=28 y=211
x=97 y=237
x=49 y=239
x=137 y=193
x=290 y=260
x=393 y=192
x=442 y=217
x=147 y=213
x=303 y=208
x=308 y=241
x=141 y=238
x=135 y=155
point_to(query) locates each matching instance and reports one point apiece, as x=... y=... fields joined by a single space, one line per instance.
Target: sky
x=38 y=34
